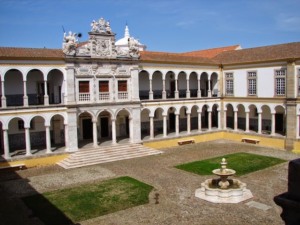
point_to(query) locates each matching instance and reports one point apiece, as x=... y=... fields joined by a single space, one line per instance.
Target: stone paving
x=176 y=202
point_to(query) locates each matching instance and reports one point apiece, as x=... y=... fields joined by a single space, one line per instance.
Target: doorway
x=104 y=127
x=87 y=129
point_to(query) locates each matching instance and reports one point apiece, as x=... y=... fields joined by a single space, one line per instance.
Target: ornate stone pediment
x=100 y=70
x=101 y=44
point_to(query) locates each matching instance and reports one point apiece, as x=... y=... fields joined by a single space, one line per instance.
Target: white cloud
x=288 y=22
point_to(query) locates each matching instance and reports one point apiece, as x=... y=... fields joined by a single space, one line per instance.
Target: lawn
x=68 y=206
x=242 y=163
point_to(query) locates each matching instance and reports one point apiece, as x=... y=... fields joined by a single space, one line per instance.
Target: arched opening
x=193 y=82
x=266 y=120
x=13 y=88
x=204 y=84
x=182 y=84
x=122 y=126
x=144 y=85
x=214 y=116
x=55 y=84
x=35 y=87
x=170 y=84
x=241 y=117
x=104 y=125
x=57 y=131
x=145 y=124
x=157 y=85
x=194 y=118
x=37 y=134
x=229 y=116
x=85 y=129
x=16 y=137
x=214 y=85
x=158 y=122
x=171 y=120
x=280 y=125
x=253 y=118
x=204 y=117
x=183 y=119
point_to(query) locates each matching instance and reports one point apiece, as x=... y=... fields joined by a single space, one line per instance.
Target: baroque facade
x=105 y=91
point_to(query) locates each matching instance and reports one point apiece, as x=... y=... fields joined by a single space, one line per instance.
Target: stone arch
x=104 y=126
x=182 y=78
x=229 y=116
x=215 y=115
x=214 y=84
x=183 y=118
x=266 y=118
x=35 y=87
x=193 y=83
x=144 y=84
x=14 y=87
x=241 y=114
x=253 y=117
x=16 y=136
x=123 y=120
x=194 y=117
x=204 y=84
x=55 y=79
x=170 y=84
x=145 y=122
x=57 y=131
x=157 y=85
x=204 y=116
x=280 y=120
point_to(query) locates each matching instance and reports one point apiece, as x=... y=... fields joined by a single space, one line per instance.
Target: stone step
x=92 y=156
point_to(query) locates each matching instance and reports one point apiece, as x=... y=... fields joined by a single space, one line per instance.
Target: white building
x=104 y=91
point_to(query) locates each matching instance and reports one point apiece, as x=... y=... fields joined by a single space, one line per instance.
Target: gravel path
x=177 y=203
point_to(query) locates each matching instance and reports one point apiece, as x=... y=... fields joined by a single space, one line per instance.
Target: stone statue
x=70 y=43
x=133 y=47
x=101 y=26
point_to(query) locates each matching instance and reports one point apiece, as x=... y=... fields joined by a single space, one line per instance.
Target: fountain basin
x=229 y=195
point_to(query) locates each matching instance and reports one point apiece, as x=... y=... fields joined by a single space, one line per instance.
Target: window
x=103 y=86
x=280 y=82
x=229 y=83
x=252 y=83
x=84 y=86
x=122 y=85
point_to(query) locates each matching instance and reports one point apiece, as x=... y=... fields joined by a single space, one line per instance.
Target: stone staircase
x=92 y=156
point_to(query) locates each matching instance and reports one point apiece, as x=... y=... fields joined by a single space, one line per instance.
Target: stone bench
x=186 y=141
x=250 y=140
x=20 y=166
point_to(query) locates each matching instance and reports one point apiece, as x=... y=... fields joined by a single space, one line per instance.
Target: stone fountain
x=223 y=189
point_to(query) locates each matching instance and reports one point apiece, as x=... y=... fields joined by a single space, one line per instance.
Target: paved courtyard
x=175 y=188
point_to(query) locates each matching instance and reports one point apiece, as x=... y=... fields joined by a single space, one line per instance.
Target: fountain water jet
x=223 y=189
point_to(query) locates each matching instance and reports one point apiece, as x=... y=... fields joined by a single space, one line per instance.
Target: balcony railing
x=84 y=97
x=104 y=96
x=123 y=95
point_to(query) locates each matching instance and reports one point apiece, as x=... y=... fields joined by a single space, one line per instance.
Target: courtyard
x=172 y=200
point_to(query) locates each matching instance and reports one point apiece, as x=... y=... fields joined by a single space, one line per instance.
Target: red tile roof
x=289 y=51
x=165 y=57
x=31 y=53
x=210 y=53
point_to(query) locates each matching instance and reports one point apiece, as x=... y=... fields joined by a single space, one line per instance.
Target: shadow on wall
x=16 y=198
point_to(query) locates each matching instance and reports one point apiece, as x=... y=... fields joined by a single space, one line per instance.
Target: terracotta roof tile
x=31 y=53
x=164 y=57
x=287 y=51
x=210 y=53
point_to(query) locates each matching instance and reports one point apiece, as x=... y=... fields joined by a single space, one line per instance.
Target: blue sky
x=163 y=25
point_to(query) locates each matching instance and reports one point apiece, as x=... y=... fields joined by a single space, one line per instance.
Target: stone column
x=273 y=124
x=27 y=141
x=66 y=137
x=164 y=93
x=25 y=96
x=130 y=130
x=176 y=89
x=177 y=124
x=113 y=131
x=199 y=121
x=188 y=93
x=165 y=125
x=150 y=90
x=46 y=97
x=70 y=85
x=48 y=140
x=6 y=144
x=95 y=134
x=72 y=130
x=188 y=123
x=199 y=89
x=247 y=121
x=209 y=120
x=65 y=97
x=3 y=98
x=209 y=89
x=151 y=127
x=235 y=120
x=259 y=122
